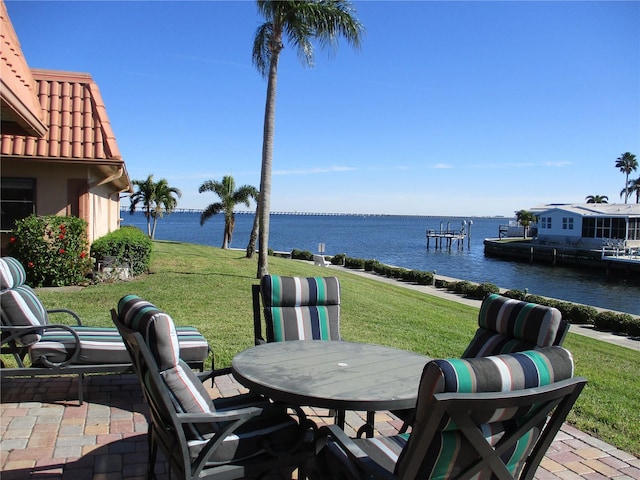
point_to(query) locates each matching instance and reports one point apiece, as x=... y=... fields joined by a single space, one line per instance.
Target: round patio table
x=332 y=374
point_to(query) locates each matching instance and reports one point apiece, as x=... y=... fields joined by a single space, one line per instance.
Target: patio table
x=332 y=374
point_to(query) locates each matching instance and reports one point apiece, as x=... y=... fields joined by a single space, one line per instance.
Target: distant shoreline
x=330 y=214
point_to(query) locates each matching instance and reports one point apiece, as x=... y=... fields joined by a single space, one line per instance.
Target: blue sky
x=449 y=108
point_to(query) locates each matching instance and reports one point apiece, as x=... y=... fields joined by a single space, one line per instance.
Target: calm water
x=401 y=241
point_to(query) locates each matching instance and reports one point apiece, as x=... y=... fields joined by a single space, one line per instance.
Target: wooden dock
x=446 y=238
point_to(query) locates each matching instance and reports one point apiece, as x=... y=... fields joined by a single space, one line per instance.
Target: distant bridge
x=318 y=214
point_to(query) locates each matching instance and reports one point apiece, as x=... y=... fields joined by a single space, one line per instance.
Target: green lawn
x=210 y=289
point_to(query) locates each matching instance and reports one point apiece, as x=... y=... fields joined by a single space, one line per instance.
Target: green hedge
x=53 y=249
x=127 y=245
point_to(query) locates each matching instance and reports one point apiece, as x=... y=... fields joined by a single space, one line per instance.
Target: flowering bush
x=52 y=249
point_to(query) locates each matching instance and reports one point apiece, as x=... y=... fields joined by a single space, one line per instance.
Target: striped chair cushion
x=500 y=373
x=12 y=273
x=157 y=328
x=21 y=307
x=298 y=308
x=98 y=345
x=507 y=325
x=144 y=317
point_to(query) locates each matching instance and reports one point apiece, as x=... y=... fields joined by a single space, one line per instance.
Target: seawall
x=533 y=252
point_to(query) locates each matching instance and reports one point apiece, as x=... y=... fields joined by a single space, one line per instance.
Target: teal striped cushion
x=21 y=307
x=299 y=308
x=507 y=325
x=500 y=373
x=99 y=346
x=12 y=273
x=157 y=328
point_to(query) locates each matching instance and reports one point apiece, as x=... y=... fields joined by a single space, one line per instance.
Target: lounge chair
x=238 y=437
x=41 y=348
x=490 y=417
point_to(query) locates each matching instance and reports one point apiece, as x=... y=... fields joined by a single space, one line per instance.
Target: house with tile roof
x=589 y=225
x=58 y=152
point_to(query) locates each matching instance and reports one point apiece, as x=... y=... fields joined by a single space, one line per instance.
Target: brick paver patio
x=45 y=436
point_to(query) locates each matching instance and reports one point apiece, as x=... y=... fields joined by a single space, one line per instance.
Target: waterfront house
x=589 y=225
x=58 y=153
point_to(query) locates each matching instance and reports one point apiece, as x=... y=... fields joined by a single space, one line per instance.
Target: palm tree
x=627 y=163
x=229 y=198
x=253 y=237
x=300 y=22
x=597 y=199
x=525 y=218
x=157 y=198
x=632 y=187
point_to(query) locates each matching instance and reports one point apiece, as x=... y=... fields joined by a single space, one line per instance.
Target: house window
x=18 y=200
x=567 y=223
x=546 y=222
x=618 y=228
x=588 y=227
x=634 y=229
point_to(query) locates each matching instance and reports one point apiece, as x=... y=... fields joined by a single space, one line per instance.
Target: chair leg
x=153 y=451
x=80 y=388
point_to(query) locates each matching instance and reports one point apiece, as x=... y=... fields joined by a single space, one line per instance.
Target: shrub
x=536 y=299
x=482 y=290
x=441 y=283
x=356 y=263
x=583 y=314
x=515 y=294
x=463 y=287
x=301 y=255
x=622 y=322
x=424 y=278
x=565 y=308
x=52 y=248
x=633 y=327
x=604 y=320
x=369 y=265
x=338 y=259
x=127 y=245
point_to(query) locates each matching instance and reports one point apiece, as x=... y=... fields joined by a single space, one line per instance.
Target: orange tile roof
x=79 y=128
x=18 y=93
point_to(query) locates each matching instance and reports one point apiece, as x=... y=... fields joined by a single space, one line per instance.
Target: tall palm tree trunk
x=267 y=158
x=251 y=246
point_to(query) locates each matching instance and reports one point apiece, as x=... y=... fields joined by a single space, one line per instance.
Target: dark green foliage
x=633 y=327
x=369 y=265
x=516 y=294
x=622 y=322
x=127 y=245
x=53 y=249
x=441 y=283
x=462 y=287
x=338 y=259
x=604 y=320
x=355 y=263
x=583 y=314
x=302 y=255
x=482 y=290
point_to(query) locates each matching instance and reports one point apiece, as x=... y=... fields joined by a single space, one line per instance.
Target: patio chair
x=506 y=325
x=39 y=347
x=296 y=308
x=243 y=436
x=488 y=417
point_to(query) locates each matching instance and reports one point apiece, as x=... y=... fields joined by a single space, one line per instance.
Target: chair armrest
x=354 y=453
x=18 y=331
x=75 y=316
